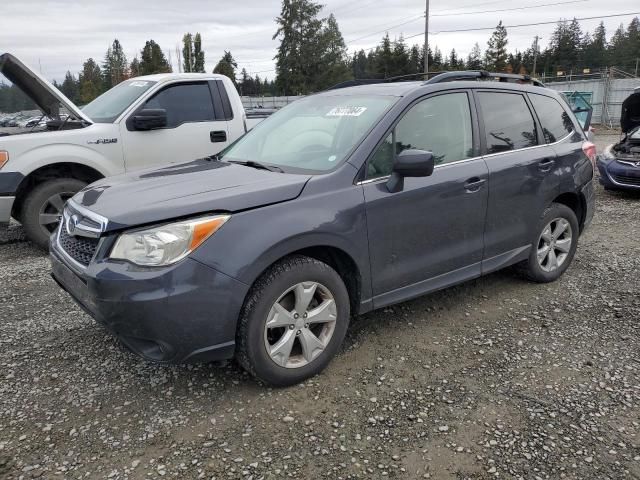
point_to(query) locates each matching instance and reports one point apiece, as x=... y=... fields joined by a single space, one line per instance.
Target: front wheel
x=43 y=207
x=293 y=321
x=554 y=246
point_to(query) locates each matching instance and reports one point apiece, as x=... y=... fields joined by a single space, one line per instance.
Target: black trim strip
x=9 y=182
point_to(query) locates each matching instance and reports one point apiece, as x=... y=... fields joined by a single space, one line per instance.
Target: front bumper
x=614 y=174
x=9 y=183
x=183 y=313
x=6 y=206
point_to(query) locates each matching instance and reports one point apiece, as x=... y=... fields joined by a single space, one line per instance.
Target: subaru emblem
x=72 y=223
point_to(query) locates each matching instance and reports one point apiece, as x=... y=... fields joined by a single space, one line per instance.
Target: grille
x=81 y=249
x=626 y=180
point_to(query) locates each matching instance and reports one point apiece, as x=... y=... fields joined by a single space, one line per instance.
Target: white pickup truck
x=142 y=122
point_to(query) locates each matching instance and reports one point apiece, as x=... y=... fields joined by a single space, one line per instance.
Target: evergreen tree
x=595 y=48
x=90 y=82
x=360 y=65
x=227 y=66
x=299 y=31
x=152 y=60
x=69 y=87
x=383 y=59
x=474 y=60
x=333 y=56
x=198 y=54
x=134 y=67
x=453 y=62
x=416 y=62
x=496 y=54
x=188 y=56
x=115 y=68
x=436 y=64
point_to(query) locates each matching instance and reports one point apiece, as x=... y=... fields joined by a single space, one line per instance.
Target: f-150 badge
x=103 y=141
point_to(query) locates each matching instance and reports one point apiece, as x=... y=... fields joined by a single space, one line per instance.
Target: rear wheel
x=293 y=322
x=554 y=246
x=43 y=207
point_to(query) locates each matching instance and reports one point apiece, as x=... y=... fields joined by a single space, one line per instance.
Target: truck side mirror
x=410 y=163
x=150 y=119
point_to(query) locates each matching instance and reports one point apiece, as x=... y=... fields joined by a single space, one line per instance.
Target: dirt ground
x=494 y=378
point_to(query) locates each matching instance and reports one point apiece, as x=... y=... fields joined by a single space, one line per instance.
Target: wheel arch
x=576 y=202
x=338 y=259
x=50 y=172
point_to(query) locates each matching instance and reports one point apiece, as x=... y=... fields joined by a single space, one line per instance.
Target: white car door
x=196 y=126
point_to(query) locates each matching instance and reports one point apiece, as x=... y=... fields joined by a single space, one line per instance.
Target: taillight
x=589 y=150
x=4 y=158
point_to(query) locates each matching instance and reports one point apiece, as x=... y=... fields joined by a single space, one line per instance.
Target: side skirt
x=505 y=259
x=427 y=286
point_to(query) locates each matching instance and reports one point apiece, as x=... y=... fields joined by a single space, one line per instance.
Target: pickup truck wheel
x=43 y=207
x=293 y=321
x=554 y=246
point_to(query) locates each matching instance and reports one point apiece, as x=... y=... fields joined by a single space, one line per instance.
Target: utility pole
x=637 y=61
x=535 y=55
x=426 y=39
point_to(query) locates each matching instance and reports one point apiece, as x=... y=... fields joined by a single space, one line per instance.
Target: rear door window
x=508 y=122
x=556 y=122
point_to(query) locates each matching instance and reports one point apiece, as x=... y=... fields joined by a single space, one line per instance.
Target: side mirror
x=410 y=163
x=150 y=119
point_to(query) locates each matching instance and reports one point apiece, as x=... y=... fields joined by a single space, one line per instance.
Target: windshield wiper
x=254 y=164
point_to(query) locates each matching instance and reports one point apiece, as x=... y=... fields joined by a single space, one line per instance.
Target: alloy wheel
x=300 y=325
x=554 y=244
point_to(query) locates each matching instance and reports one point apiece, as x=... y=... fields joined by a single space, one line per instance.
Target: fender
x=253 y=240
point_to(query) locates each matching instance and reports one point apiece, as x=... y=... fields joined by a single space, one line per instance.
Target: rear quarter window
x=555 y=121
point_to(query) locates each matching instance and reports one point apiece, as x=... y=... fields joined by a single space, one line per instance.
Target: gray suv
x=343 y=202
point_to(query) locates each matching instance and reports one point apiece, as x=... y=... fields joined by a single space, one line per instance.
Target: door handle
x=474 y=184
x=546 y=164
x=218 y=136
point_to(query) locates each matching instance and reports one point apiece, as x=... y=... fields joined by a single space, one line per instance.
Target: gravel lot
x=494 y=378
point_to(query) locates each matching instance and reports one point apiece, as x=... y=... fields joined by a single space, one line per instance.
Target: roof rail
x=440 y=77
x=483 y=75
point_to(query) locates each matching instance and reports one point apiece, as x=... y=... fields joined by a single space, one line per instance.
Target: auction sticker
x=346 y=111
x=138 y=83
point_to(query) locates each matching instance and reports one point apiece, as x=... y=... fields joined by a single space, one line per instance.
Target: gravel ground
x=494 y=378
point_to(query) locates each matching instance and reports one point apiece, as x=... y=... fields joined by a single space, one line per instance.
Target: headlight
x=166 y=244
x=4 y=157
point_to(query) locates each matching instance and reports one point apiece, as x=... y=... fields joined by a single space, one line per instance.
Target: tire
x=544 y=271
x=47 y=199
x=274 y=291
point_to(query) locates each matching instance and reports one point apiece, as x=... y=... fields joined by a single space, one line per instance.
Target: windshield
x=108 y=106
x=314 y=134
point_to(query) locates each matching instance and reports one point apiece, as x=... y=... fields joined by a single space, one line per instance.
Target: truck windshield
x=108 y=106
x=314 y=134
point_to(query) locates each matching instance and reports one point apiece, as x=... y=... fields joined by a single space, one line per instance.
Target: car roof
x=404 y=88
x=164 y=77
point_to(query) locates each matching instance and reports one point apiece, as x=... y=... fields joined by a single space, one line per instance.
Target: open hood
x=45 y=95
x=630 y=116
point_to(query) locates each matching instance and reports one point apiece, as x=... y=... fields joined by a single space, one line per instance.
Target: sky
x=54 y=36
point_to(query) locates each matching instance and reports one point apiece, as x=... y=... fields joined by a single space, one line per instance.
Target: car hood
x=153 y=196
x=630 y=116
x=37 y=88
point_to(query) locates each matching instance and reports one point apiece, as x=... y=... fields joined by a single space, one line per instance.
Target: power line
x=385 y=30
x=420 y=17
x=530 y=24
x=507 y=9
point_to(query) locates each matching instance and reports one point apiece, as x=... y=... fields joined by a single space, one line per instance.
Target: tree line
x=312 y=55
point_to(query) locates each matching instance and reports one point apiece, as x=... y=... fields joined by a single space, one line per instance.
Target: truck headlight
x=165 y=244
